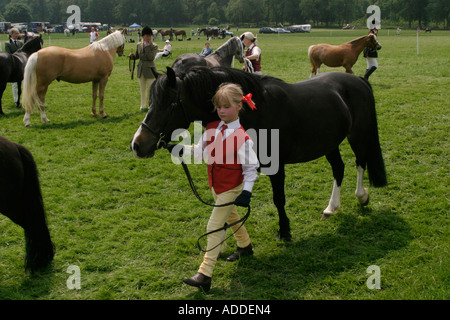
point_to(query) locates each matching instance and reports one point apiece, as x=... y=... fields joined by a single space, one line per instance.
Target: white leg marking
x=361 y=193
x=334 y=204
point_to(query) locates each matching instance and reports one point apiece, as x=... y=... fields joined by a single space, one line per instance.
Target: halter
x=161 y=134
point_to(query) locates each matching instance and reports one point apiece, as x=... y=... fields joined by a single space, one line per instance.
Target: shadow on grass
x=35 y=285
x=290 y=271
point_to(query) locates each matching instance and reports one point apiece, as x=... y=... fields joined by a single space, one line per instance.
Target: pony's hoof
x=104 y=116
x=364 y=198
x=285 y=237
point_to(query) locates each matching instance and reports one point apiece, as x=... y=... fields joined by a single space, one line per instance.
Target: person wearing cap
x=146 y=51
x=12 y=46
x=166 y=50
x=253 y=54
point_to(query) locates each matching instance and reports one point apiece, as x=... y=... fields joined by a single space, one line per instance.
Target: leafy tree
x=18 y=12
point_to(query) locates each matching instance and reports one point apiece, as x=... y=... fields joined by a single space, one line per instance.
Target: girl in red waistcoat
x=253 y=54
x=232 y=171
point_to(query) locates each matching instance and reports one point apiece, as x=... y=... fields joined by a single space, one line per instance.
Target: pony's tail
x=39 y=247
x=30 y=97
x=375 y=163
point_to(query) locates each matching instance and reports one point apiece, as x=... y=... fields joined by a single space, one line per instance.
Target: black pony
x=297 y=122
x=12 y=66
x=21 y=201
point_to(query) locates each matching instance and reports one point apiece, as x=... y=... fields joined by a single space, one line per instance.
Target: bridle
x=178 y=103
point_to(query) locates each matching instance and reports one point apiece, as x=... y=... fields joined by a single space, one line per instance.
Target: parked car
x=281 y=30
x=267 y=30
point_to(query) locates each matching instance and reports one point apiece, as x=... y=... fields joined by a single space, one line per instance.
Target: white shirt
x=256 y=50
x=246 y=155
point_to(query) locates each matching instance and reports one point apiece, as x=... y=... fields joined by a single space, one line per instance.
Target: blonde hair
x=249 y=36
x=227 y=93
x=13 y=30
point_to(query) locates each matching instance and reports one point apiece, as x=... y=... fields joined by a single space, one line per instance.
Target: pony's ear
x=155 y=73
x=172 y=77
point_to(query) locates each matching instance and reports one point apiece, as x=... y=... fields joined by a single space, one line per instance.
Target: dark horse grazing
x=223 y=57
x=21 y=201
x=12 y=66
x=313 y=118
x=210 y=32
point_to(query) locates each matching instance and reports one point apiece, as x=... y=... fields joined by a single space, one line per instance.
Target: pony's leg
x=103 y=83
x=19 y=93
x=42 y=91
x=337 y=165
x=2 y=89
x=94 y=97
x=361 y=193
x=279 y=199
x=44 y=118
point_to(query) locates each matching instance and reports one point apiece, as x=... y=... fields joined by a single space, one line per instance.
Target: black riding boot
x=369 y=72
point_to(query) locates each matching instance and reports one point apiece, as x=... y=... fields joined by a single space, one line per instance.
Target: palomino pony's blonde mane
x=114 y=40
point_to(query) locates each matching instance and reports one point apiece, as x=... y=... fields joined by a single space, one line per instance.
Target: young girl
x=232 y=166
x=146 y=52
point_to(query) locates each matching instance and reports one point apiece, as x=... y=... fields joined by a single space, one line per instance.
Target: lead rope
x=226 y=226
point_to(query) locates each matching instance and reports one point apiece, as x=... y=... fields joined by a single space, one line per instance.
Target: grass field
x=131 y=225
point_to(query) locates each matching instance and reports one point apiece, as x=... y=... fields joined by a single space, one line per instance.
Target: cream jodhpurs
x=145 y=84
x=219 y=216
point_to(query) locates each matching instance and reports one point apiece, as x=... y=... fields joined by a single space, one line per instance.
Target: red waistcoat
x=255 y=63
x=224 y=169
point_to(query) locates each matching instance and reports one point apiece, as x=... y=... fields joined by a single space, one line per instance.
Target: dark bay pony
x=93 y=63
x=210 y=32
x=12 y=66
x=181 y=33
x=344 y=55
x=222 y=56
x=21 y=201
x=308 y=120
x=164 y=33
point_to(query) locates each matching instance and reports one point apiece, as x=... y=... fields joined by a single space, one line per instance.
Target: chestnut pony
x=92 y=63
x=344 y=55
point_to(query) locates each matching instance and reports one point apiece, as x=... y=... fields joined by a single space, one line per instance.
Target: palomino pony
x=92 y=63
x=21 y=201
x=223 y=56
x=12 y=66
x=296 y=122
x=344 y=55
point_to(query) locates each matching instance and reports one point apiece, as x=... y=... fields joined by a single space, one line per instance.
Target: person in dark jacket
x=146 y=51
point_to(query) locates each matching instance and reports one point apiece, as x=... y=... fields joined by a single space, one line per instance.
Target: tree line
x=257 y=13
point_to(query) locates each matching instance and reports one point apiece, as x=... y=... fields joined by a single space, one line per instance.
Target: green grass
x=131 y=225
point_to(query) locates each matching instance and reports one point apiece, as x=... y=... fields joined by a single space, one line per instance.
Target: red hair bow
x=248 y=99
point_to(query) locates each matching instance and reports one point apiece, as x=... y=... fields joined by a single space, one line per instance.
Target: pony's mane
x=357 y=39
x=114 y=40
x=201 y=83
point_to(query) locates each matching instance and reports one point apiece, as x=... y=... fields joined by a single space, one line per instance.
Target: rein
x=129 y=67
x=226 y=226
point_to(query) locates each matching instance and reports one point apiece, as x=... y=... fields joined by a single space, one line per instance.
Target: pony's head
x=165 y=115
x=372 y=42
